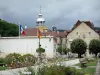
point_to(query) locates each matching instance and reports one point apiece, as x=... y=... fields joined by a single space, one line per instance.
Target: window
x=89 y=33
x=77 y=33
x=84 y=36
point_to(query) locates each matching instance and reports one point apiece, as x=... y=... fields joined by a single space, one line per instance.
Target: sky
x=61 y=13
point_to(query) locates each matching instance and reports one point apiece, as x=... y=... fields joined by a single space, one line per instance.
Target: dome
x=40 y=19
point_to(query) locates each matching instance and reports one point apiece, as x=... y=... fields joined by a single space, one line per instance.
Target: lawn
x=91 y=67
x=90 y=71
x=92 y=64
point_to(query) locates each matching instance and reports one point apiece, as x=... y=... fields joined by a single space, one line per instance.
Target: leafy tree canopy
x=78 y=46
x=8 y=29
x=94 y=46
x=60 y=49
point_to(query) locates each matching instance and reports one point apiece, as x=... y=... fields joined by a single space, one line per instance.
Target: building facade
x=84 y=30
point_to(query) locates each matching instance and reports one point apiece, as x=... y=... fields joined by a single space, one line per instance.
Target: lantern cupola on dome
x=40 y=20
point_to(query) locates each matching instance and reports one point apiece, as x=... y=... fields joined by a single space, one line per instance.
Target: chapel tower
x=41 y=22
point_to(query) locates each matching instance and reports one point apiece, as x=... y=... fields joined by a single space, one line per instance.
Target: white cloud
x=63 y=13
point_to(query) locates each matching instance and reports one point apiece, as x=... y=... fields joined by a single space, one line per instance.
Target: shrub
x=40 y=50
x=13 y=59
x=28 y=59
x=2 y=62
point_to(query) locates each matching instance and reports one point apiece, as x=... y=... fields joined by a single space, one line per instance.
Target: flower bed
x=52 y=70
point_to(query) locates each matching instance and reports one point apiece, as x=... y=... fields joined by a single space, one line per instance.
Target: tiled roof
x=33 y=32
x=86 y=22
x=30 y=32
x=89 y=24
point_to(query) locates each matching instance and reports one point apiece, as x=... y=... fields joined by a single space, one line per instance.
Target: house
x=84 y=30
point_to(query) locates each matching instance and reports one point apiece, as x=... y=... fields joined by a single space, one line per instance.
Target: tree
x=64 y=51
x=8 y=29
x=78 y=46
x=68 y=50
x=59 y=49
x=94 y=46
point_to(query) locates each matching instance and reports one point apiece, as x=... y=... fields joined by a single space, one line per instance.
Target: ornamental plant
x=13 y=59
x=52 y=70
x=28 y=60
x=40 y=50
